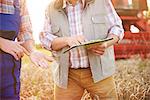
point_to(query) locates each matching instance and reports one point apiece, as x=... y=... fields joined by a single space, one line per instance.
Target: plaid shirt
x=78 y=56
x=8 y=7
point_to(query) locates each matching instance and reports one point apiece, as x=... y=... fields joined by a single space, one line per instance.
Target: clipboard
x=89 y=43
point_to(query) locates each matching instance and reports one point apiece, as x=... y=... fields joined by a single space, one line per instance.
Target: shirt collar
x=65 y=3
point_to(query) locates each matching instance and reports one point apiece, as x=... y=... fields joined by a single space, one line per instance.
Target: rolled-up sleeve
x=114 y=22
x=25 y=32
x=46 y=36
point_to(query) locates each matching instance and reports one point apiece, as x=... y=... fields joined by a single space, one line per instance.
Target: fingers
x=22 y=48
x=98 y=52
x=36 y=64
x=73 y=42
x=97 y=49
x=25 y=51
x=76 y=40
x=19 y=51
x=40 y=59
x=14 y=55
x=43 y=64
x=81 y=39
x=49 y=58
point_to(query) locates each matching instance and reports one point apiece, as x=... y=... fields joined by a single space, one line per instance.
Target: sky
x=36 y=10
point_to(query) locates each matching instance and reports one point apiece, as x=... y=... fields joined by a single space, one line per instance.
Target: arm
x=115 y=23
x=59 y=43
x=53 y=42
x=25 y=35
x=46 y=37
x=115 y=31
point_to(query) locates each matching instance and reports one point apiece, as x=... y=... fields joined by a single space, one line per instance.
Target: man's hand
x=76 y=40
x=13 y=48
x=40 y=59
x=98 y=49
x=61 y=42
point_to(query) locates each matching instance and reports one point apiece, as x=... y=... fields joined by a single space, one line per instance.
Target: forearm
x=29 y=45
x=59 y=43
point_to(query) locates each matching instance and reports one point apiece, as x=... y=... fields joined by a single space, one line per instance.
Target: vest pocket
x=99 y=26
x=108 y=61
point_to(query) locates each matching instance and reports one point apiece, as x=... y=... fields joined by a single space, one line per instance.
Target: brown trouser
x=81 y=79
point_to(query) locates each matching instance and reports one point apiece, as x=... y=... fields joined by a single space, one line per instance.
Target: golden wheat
x=132 y=81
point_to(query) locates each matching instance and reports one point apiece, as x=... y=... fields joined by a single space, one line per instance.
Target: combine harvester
x=137 y=29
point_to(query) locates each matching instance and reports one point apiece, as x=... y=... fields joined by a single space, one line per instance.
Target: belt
x=7 y=34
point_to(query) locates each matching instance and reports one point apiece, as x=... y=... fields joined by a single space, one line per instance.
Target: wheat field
x=132 y=80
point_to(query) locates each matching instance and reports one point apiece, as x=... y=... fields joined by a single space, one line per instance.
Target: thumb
x=22 y=42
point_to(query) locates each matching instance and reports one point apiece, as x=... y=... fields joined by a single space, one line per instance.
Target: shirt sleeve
x=46 y=36
x=114 y=22
x=25 y=32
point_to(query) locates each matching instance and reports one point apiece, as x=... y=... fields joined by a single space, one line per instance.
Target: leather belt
x=7 y=34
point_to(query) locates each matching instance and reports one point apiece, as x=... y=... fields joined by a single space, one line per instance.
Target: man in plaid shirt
x=15 y=23
x=68 y=23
